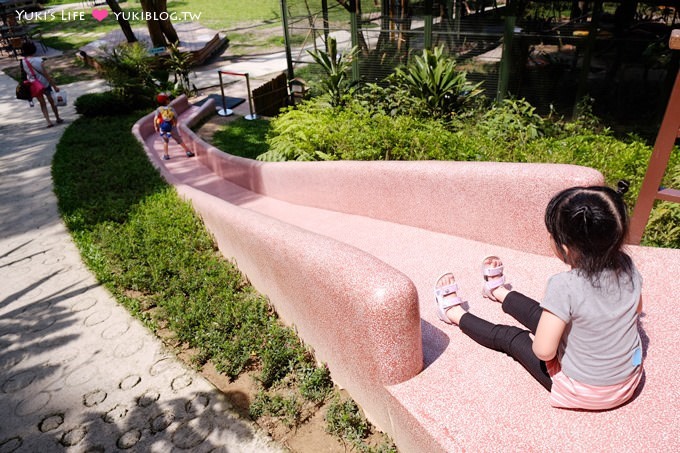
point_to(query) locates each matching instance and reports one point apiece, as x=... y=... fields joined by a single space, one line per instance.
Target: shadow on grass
x=243 y=138
x=100 y=172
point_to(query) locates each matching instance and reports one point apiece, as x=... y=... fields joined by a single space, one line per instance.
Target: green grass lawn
x=243 y=138
x=60 y=2
x=150 y=249
x=217 y=14
x=241 y=19
x=71 y=33
x=227 y=13
x=139 y=238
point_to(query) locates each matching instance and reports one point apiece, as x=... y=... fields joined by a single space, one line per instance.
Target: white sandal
x=490 y=285
x=443 y=302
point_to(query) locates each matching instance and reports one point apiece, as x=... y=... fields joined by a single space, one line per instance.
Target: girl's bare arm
x=548 y=334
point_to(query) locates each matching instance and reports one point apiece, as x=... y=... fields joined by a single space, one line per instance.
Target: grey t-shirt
x=601 y=344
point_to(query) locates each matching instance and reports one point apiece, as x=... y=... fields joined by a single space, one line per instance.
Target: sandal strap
x=445 y=304
x=493 y=271
x=444 y=291
x=493 y=284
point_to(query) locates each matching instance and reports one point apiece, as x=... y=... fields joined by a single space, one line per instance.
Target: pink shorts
x=570 y=394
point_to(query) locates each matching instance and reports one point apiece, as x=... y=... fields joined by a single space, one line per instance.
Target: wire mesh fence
x=549 y=52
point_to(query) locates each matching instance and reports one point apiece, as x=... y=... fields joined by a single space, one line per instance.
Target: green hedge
x=314 y=132
x=110 y=104
x=510 y=132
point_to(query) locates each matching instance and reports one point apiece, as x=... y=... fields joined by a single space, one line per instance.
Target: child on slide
x=586 y=349
x=165 y=123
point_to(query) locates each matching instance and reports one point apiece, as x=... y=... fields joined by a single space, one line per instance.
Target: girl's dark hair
x=28 y=48
x=593 y=223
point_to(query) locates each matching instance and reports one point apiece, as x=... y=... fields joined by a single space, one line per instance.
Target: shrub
x=337 y=84
x=288 y=409
x=389 y=99
x=109 y=103
x=281 y=354
x=179 y=64
x=132 y=73
x=312 y=132
x=315 y=383
x=512 y=121
x=511 y=132
x=433 y=78
x=663 y=228
x=344 y=420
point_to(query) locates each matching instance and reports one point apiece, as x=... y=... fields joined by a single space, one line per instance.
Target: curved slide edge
x=360 y=315
x=455 y=198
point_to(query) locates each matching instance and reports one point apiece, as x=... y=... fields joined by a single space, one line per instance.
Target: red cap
x=162 y=98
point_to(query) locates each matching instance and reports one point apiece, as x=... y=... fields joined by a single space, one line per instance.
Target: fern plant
x=433 y=78
x=337 y=84
x=513 y=120
x=129 y=71
x=180 y=63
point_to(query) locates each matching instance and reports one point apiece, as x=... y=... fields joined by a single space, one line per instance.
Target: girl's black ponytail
x=622 y=187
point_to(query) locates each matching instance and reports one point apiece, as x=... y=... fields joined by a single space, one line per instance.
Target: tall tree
x=124 y=24
x=160 y=27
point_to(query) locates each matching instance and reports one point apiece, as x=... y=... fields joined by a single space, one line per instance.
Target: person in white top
x=35 y=70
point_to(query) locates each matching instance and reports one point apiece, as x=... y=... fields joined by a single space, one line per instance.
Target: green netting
x=552 y=55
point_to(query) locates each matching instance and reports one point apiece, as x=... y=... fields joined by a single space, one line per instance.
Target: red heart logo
x=100 y=14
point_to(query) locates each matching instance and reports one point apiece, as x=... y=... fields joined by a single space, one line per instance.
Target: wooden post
x=582 y=88
x=663 y=146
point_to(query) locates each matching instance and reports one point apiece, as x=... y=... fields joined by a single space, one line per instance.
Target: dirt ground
x=309 y=437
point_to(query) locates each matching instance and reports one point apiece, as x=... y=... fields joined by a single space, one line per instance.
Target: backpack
x=165 y=119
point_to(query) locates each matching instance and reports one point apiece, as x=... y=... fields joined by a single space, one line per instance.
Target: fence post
x=253 y=115
x=286 y=39
x=428 y=24
x=354 y=21
x=324 y=12
x=224 y=111
x=506 y=57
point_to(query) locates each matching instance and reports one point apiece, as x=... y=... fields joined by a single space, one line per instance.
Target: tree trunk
x=166 y=25
x=355 y=6
x=124 y=24
x=160 y=30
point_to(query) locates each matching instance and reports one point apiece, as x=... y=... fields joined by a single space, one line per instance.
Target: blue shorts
x=167 y=135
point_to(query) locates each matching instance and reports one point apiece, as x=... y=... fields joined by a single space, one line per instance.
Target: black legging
x=511 y=340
